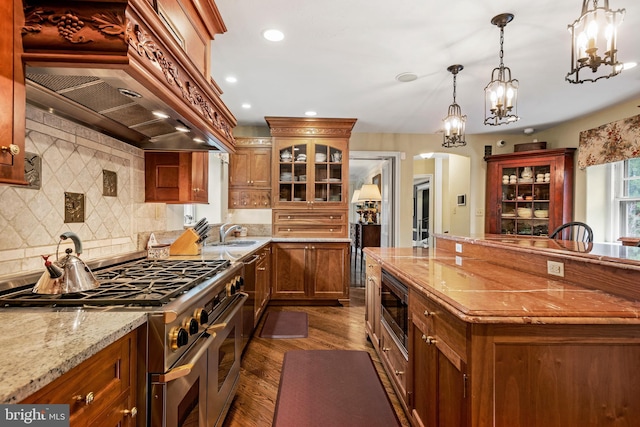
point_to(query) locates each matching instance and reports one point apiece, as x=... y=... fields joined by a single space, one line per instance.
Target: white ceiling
x=340 y=58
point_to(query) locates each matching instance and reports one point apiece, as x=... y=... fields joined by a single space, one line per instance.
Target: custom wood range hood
x=111 y=64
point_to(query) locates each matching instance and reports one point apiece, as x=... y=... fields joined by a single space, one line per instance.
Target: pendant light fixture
x=594 y=42
x=455 y=122
x=501 y=94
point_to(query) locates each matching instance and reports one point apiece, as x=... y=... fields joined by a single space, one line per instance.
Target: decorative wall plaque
x=109 y=183
x=33 y=170
x=73 y=207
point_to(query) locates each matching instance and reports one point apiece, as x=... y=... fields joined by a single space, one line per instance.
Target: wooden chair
x=575 y=230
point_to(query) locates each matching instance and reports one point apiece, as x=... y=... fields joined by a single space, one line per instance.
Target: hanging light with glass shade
x=455 y=122
x=594 y=42
x=501 y=94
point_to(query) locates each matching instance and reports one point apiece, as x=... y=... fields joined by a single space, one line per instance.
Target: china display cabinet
x=310 y=178
x=529 y=193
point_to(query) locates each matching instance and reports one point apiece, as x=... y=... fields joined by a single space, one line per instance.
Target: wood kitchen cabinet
x=12 y=91
x=530 y=192
x=101 y=391
x=310 y=178
x=176 y=177
x=250 y=174
x=310 y=271
x=193 y=24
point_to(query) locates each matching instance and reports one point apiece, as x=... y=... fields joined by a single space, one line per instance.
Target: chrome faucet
x=224 y=233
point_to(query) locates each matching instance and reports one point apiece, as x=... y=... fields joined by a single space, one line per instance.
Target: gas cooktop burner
x=137 y=283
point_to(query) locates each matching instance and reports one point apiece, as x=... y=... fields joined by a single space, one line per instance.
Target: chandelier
x=454 y=123
x=502 y=92
x=593 y=42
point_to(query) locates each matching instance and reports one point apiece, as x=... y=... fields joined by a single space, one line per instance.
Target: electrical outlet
x=555 y=268
x=479 y=212
x=459 y=248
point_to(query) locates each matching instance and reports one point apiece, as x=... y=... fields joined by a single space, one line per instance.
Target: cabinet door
x=239 y=168
x=311 y=173
x=292 y=173
x=200 y=176
x=260 y=167
x=289 y=270
x=438 y=385
x=13 y=106
x=329 y=269
x=176 y=177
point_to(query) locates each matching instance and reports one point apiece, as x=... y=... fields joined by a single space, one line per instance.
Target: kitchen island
x=493 y=339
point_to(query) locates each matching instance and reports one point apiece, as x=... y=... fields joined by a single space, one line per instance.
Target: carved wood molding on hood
x=126 y=49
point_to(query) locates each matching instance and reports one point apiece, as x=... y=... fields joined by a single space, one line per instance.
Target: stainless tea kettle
x=68 y=275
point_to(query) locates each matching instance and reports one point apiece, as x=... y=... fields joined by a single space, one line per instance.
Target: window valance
x=615 y=141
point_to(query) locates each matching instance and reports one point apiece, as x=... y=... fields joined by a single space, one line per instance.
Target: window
x=626 y=178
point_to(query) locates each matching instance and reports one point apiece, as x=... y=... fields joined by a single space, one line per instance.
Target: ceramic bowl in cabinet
x=541 y=213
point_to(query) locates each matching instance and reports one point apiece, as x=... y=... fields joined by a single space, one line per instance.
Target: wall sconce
x=454 y=123
x=370 y=195
x=501 y=94
x=594 y=42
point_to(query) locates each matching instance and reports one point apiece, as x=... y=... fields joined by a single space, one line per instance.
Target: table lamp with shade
x=370 y=195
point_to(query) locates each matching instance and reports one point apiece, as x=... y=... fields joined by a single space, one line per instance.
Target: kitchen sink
x=237 y=243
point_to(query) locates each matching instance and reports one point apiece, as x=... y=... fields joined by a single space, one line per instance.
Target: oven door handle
x=212 y=329
x=184 y=369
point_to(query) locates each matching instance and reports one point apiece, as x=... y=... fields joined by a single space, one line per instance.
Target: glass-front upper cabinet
x=529 y=193
x=310 y=172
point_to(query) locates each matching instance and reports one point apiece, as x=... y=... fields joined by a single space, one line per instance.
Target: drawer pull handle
x=331 y=230
x=262 y=268
x=331 y=217
x=427 y=313
x=385 y=349
x=130 y=412
x=430 y=340
x=398 y=373
x=88 y=399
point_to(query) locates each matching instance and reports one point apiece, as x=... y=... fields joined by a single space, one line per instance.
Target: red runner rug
x=285 y=324
x=331 y=388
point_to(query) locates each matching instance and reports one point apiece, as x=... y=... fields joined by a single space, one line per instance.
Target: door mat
x=321 y=388
x=285 y=324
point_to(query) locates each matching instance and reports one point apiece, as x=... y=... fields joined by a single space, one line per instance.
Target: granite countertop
x=40 y=345
x=478 y=291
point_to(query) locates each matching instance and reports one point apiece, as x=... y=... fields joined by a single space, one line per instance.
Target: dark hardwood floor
x=329 y=328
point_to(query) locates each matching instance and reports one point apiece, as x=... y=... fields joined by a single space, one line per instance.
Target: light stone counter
x=40 y=345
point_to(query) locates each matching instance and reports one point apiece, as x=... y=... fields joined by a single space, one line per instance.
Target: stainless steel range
x=194 y=337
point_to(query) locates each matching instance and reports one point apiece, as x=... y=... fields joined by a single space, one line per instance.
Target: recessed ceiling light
x=231 y=79
x=406 y=77
x=160 y=114
x=246 y=105
x=200 y=140
x=273 y=35
x=182 y=129
x=310 y=113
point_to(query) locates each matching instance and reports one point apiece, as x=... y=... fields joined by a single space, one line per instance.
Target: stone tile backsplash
x=73 y=158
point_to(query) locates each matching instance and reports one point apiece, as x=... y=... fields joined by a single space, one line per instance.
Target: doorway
x=421 y=204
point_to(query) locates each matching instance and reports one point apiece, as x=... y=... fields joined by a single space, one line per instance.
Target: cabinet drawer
x=435 y=321
x=106 y=377
x=318 y=223
x=316 y=217
x=394 y=360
